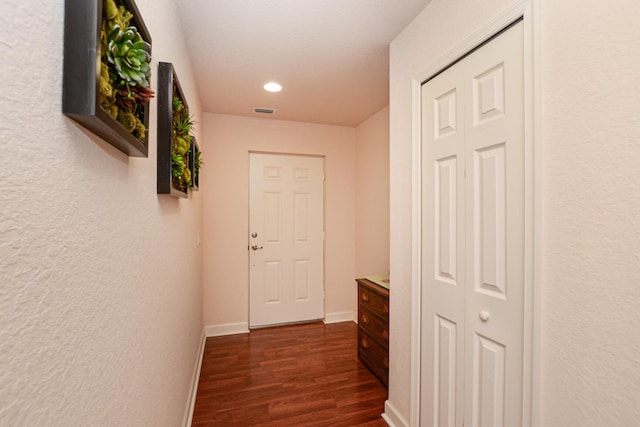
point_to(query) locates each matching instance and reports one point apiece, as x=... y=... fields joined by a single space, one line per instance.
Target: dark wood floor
x=296 y=375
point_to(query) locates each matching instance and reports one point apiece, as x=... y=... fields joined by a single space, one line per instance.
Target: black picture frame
x=81 y=75
x=167 y=81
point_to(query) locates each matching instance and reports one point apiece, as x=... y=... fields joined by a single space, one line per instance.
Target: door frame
x=529 y=12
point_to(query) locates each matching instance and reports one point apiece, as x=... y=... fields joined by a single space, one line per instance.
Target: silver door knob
x=484 y=315
x=256 y=247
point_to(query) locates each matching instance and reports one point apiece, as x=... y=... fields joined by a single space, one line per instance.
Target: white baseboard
x=226 y=329
x=341 y=316
x=392 y=417
x=194 y=384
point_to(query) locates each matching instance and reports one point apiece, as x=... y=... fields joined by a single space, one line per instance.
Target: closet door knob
x=484 y=315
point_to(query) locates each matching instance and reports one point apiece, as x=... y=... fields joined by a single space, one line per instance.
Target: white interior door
x=473 y=209
x=286 y=239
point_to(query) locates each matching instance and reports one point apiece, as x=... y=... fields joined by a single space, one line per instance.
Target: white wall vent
x=262 y=110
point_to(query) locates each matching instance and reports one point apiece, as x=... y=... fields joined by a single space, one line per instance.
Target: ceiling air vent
x=264 y=110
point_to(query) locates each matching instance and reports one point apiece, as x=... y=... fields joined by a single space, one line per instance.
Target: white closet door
x=473 y=238
x=443 y=218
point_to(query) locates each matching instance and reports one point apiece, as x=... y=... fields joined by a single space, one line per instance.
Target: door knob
x=484 y=315
x=256 y=247
x=254 y=235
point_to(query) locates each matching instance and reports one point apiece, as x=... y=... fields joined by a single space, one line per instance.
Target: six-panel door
x=473 y=238
x=286 y=239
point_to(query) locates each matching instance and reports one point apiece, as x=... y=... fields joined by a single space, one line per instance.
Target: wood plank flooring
x=295 y=375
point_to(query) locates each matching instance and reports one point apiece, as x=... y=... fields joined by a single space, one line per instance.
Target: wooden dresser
x=373 y=328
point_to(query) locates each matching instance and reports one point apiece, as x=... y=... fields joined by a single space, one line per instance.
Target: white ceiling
x=331 y=56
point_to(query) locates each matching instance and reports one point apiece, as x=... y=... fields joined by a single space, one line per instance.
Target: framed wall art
x=107 y=72
x=175 y=142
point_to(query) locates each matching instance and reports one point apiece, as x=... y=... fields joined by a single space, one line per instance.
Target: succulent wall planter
x=175 y=144
x=194 y=164
x=95 y=93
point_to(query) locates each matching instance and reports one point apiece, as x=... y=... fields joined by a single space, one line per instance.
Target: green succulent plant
x=116 y=14
x=177 y=104
x=124 y=69
x=180 y=172
x=197 y=162
x=129 y=54
x=186 y=177
x=183 y=123
x=110 y=9
x=177 y=165
x=183 y=144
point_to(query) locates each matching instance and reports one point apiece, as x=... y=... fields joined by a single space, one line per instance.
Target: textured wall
x=226 y=208
x=100 y=282
x=589 y=287
x=372 y=195
x=591 y=262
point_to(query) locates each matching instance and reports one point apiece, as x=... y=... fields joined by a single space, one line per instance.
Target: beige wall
x=588 y=288
x=100 y=279
x=372 y=195
x=229 y=139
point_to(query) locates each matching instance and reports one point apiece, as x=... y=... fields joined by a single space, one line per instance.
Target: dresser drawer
x=374 y=326
x=373 y=301
x=374 y=356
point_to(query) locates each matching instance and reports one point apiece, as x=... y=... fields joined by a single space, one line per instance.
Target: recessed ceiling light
x=272 y=87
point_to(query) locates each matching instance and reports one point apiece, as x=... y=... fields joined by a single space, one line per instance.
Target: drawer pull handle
x=365 y=319
x=364 y=297
x=365 y=343
x=385 y=335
